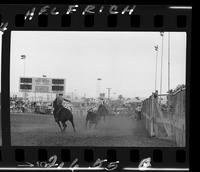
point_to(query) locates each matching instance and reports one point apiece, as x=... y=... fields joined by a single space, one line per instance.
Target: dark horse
x=102 y=111
x=62 y=115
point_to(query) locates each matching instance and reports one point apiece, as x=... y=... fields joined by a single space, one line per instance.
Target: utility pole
x=98 y=89
x=108 y=93
x=156 y=49
x=35 y=97
x=168 y=61
x=162 y=35
x=23 y=57
x=72 y=96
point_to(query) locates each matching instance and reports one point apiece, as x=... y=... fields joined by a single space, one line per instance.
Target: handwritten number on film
x=144 y=164
x=52 y=163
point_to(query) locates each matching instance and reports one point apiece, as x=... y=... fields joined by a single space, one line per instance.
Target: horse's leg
x=64 y=125
x=95 y=126
x=59 y=125
x=73 y=124
x=86 y=123
x=90 y=124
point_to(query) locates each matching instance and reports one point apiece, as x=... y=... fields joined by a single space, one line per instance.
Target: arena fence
x=166 y=120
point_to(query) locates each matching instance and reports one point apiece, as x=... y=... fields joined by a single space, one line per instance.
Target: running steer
x=92 y=118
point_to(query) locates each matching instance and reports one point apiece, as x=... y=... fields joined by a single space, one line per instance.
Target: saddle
x=62 y=107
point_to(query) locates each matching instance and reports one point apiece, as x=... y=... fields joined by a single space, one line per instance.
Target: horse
x=102 y=111
x=63 y=115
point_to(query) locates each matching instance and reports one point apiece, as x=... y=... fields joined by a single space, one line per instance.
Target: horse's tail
x=71 y=115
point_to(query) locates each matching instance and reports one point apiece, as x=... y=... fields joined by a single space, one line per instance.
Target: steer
x=92 y=117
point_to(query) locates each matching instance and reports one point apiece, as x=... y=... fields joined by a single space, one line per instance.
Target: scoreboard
x=42 y=85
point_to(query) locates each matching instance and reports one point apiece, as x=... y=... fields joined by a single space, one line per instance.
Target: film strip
x=90 y=18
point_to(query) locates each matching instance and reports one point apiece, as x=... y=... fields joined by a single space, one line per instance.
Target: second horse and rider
x=62 y=114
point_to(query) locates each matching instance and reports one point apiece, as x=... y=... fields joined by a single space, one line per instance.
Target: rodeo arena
x=57 y=119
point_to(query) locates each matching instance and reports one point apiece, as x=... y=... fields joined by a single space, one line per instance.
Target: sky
x=125 y=61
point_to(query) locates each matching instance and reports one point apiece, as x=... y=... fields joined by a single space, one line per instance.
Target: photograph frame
x=41 y=153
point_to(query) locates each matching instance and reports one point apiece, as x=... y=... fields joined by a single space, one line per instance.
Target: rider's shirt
x=95 y=109
x=139 y=108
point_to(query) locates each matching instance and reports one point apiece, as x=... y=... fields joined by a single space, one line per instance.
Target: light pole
x=72 y=95
x=108 y=93
x=44 y=76
x=156 y=49
x=98 y=87
x=168 y=61
x=23 y=57
x=114 y=94
x=162 y=35
x=75 y=94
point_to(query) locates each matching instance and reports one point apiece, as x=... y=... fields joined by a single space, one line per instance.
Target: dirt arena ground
x=41 y=130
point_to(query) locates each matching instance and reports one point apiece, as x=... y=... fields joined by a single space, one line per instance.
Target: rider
x=58 y=103
x=139 y=111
